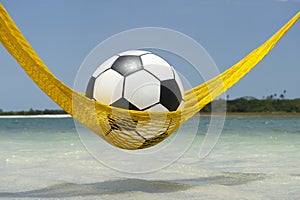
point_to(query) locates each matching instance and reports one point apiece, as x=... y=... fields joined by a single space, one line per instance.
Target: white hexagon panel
x=108 y=87
x=157 y=66
x=142 y=89
x=134 y=53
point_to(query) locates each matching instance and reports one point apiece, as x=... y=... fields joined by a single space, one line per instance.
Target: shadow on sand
x=64 y=190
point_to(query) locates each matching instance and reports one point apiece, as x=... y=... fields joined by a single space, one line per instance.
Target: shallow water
x=254 y=159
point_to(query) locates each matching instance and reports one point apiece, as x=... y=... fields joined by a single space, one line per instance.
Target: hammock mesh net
x=127 y=129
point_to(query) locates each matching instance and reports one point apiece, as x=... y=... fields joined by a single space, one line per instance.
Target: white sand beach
x=35 y=116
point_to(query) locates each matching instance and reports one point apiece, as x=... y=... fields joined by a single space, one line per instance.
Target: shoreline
x=35 y=116
x=227 y=115
x=253 y=115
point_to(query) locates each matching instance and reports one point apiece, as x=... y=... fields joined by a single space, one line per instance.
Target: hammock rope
x=115 y=125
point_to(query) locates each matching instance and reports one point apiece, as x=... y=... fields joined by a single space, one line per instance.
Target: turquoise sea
x=255 y=158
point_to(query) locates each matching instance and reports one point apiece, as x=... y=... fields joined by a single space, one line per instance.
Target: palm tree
x=283 y=95
x=270 y=97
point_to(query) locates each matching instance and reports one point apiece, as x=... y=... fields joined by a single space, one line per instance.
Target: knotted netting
x=122 y=127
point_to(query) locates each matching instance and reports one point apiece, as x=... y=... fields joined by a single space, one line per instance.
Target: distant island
x=240 y=105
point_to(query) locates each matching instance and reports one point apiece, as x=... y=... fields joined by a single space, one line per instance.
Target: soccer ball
x=136 y=80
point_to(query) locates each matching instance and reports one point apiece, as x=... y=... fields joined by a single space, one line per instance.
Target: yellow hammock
x=114 y=124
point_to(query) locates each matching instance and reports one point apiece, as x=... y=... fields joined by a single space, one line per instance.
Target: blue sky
x=64 y=32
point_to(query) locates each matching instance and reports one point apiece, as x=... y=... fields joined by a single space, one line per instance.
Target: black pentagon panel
x=89 y=92
x=170 y=95
x=153 y=141
x=123 y=103
x=126 y=65
x=128 y=125
x=119 y=125
x=113 y=124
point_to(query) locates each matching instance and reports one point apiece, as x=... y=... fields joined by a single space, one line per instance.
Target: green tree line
x=257 y=105
x=32 y=112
